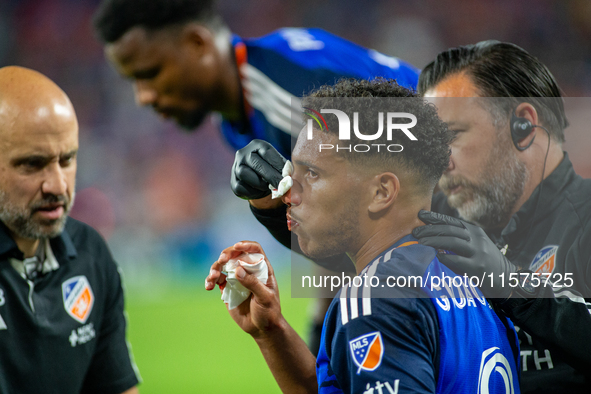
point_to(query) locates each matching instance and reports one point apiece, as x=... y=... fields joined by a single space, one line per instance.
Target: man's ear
x=384 y=188
x=201 y=39
x=528 y=112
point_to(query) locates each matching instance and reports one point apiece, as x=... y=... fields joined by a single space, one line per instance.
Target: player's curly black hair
x=114 y=18
x=425 y=159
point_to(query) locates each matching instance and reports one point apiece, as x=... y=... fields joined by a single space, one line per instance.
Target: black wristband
x=272 y=213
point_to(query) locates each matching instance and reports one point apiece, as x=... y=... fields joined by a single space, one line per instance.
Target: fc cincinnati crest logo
x=545 y=260
x=367 y=351
x=78 y=298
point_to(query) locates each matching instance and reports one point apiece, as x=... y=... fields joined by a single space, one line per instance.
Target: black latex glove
x=256 y=166
x=475 y=253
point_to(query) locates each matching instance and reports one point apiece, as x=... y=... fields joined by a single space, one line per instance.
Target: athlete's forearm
x=289 y=359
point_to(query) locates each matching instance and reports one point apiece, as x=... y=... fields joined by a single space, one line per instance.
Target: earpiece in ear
x=520 y=129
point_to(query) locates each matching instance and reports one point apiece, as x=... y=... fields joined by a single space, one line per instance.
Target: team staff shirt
x=62 y=331
x=289 y=63
x=417 y=339
x=554 y=238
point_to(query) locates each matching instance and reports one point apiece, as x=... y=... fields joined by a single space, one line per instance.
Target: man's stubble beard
x=340 y=237
x=20 y=220
x=490 y=202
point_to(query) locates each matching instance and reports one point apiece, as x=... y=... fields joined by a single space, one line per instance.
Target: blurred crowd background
x=161 y=196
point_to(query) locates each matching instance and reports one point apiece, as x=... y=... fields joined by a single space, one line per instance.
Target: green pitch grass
x=184 y=341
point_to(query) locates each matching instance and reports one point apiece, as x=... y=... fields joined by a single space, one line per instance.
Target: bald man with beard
x=62 y=326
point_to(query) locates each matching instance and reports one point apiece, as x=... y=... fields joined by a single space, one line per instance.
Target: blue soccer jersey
x=425 y=337
x=291 y=62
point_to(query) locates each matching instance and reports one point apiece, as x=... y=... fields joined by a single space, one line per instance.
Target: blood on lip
x=286 y=198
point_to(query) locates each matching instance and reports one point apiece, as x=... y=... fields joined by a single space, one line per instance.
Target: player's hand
x=256 y=166
x=261 y=312
x=475 y=253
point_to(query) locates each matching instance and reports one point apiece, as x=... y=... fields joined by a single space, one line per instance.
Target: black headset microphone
x=520 y=129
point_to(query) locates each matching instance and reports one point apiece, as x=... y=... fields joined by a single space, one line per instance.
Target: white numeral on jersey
x=300 y=40
x=2 y=299
x=384 y=60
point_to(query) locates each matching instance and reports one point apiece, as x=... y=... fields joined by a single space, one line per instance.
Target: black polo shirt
x=551 y=233
x=64 y=331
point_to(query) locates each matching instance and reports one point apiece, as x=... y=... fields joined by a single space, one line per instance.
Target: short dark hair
x=425 y=159
x=501 y=69
x=114 y=18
